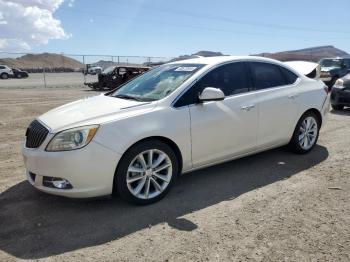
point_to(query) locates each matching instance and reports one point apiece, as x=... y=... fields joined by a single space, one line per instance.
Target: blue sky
x=171 y=28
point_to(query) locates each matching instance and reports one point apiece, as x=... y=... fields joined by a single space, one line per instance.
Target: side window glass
x=231 y=79
x=290 y=77
x=267 y=75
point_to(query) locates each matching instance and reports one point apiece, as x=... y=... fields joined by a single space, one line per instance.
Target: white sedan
x=173 y=119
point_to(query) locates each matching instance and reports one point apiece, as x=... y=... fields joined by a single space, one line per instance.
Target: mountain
x=307 y=54
x=46 y=60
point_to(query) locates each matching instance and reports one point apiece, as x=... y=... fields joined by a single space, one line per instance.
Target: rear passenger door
x=278 y=102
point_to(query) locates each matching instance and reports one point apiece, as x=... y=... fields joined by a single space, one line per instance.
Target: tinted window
x=290 y=77
x=188 y=98
x=267 y=75
x=2 y=67
x=231 y=79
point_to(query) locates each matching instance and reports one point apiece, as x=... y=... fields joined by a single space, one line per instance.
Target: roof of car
x=213 y=60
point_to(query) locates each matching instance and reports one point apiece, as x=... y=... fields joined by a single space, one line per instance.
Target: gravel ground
x=273 y=206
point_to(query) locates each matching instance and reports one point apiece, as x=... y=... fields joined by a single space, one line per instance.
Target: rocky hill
x=308 y=54
x=46 y=60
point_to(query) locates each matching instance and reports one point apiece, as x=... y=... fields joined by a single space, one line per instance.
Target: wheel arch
x=163 y=139
x=316 y=112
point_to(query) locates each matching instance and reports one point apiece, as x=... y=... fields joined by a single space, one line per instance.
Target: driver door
x=224 y=129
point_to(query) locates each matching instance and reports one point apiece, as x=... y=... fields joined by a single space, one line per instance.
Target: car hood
x=92 y=110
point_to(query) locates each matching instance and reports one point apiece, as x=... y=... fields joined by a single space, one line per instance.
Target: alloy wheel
x=149 y=174
x=308 y=133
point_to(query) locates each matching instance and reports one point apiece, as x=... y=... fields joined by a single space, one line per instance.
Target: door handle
x=247 y=108
x=293 y=96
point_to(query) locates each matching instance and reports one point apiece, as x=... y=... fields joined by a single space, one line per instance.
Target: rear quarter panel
x=312 y=96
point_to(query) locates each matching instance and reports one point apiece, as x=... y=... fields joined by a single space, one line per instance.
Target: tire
x=306 y=143
x=337 y=107
x=19 y=76
x=158 y=183
x=4 y=76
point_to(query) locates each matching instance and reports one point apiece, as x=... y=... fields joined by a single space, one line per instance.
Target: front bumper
x=340 y=97
x=90 y=170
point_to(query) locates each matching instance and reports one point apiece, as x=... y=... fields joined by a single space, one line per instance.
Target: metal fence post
x=44 y=77
x=84 y=69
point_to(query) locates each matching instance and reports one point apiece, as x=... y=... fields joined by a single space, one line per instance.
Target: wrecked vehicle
x=114 y=76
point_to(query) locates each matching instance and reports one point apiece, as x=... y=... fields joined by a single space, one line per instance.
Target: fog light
x=60 y=183
x=56 y=182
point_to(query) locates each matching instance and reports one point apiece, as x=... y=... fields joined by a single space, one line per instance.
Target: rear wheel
x=337 y=107
x=146 y=172
x=305 y=134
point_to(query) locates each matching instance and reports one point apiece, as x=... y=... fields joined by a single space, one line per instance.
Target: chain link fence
x=62 y=70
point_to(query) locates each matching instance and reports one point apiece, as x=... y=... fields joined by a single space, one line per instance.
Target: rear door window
x=267 y=75
x=289 y=76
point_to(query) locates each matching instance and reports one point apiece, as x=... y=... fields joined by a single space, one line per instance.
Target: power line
x=208 y=16
x=148 y=20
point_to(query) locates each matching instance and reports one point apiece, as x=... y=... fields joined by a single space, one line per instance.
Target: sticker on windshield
x=186 y=68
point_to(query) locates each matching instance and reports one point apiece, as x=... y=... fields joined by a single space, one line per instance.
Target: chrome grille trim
x=35 y=134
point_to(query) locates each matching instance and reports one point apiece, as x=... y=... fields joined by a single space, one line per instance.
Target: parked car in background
x=176 y=118
x=92 y=70
x=18 y=73
x=334 y=68
x=114 y=76
x=5 y=72
x=340 y=96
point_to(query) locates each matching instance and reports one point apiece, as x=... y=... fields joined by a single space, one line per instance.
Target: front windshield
x=330 y=63
x=108 y=70
x=157 y=83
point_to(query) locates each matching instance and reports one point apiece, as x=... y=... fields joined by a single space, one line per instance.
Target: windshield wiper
x=129 y=97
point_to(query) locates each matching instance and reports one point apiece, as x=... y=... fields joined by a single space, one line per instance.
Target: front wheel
x=4 y=76
x=146 y=172
x=305 y=134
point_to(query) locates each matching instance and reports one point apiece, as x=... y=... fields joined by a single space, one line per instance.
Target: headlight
x=71 y=139
x=339 y=84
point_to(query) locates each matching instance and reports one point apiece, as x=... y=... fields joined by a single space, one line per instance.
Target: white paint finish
x=278 y=110
x=224 y=128
x=205 y=133
x=90 y=169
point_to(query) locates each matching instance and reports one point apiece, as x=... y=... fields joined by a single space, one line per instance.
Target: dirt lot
x=274 y=206
x=52 y=80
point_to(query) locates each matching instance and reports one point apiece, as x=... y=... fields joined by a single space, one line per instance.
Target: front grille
x=35 y=134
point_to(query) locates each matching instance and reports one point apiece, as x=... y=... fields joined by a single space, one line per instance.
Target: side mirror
x=211 y=94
